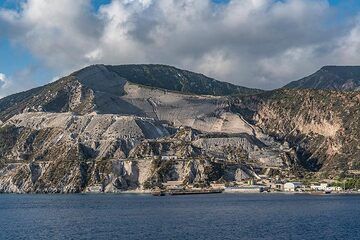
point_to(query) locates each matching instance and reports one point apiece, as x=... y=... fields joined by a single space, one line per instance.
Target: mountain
x=330 y=77
x=101 y=88
x=125 y=128
x=97 y=127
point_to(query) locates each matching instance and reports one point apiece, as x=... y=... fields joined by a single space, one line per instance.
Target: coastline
x=149 y=192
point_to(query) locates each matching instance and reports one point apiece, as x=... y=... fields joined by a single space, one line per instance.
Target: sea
x=213 y=216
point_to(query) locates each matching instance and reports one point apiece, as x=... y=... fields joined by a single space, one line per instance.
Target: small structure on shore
x=336 y=188
x=217 y=185
x=277 y=186
x=96 y=188
x=292 y=186
x=174 y=185
x=319 y=187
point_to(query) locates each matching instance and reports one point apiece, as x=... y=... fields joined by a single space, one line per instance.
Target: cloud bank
x=255 y=43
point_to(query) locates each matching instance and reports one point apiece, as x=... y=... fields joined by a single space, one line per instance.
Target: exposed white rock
x=87 y=127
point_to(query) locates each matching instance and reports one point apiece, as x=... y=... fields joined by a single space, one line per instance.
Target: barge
x=174 y=192
x=194 y=191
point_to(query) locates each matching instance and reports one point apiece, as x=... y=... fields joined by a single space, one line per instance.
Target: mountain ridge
x=86 y=82
x=332 y=77
x=178 y=80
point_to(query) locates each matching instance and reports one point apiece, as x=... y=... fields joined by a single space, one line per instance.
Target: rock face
x=330 y=77
x=322 y=126
x=60 y=152
x=120 y=128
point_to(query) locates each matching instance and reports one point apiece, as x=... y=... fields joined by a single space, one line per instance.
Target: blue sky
x=23 y=57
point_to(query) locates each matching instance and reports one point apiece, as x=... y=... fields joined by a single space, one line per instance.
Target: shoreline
x=149 y=192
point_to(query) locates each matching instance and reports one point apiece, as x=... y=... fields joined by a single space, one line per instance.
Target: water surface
x=218 y=216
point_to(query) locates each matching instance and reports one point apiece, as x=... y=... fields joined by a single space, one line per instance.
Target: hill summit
x=175 y=79
x=330 y=77
x=103 y=88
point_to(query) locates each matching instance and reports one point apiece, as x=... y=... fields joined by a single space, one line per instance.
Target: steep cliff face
x=321 y=125
x=63 y=153
x=56 y=152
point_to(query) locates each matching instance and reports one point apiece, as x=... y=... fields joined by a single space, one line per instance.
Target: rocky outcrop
x=321 y=126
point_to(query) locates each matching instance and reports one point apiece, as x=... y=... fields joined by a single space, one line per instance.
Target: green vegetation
x=160 y=169
x=174 y=79
x=8 y=138
x=348 y=183
x=330 y=77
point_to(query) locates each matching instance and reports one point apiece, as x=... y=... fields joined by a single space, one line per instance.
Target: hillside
x=174 y=79
x=97 y=127
x=330 y=77
x=322 y=126
x=100 y=88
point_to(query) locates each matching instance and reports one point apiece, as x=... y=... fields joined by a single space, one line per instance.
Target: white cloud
x=55 y=31
x=348 y=46
x=4 y=84
x=257 y=43
x=3 y=80
x=216 y=63
x=20 y=81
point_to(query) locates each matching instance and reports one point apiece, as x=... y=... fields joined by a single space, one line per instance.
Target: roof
x=296 y=184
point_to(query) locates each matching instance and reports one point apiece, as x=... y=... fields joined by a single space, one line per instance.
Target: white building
x=319 y=187
x=292 y=186
x=334 y=189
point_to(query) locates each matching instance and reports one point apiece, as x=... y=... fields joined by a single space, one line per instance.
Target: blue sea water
x=218 y=216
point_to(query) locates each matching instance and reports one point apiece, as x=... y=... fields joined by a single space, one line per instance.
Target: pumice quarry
x=162 y=130
x=180 y=119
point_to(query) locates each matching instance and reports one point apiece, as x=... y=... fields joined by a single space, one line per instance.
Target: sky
x=254 y=43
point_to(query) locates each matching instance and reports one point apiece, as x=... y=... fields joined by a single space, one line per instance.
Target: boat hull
x=193 y=192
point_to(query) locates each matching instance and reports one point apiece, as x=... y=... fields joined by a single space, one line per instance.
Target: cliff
x=322 y=126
